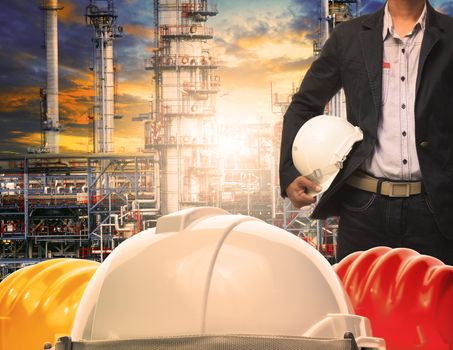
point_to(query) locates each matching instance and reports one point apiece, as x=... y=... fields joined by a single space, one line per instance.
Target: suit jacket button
x=424 y=144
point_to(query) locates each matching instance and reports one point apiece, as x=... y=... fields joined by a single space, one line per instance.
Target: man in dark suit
x=396 y=186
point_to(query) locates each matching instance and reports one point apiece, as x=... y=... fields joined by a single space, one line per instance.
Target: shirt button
x=404 y=161
x=403 y=106
x=403 y=78
x=404 y=133
x=403 y=50
x=424 y=144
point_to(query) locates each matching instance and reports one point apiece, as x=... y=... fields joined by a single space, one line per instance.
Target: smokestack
x=51 y=123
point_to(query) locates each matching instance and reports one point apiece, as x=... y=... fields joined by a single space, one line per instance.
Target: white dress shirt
x=395 y=154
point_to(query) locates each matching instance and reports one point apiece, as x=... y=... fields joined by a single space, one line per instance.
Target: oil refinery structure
x=182 y=127
x=83 y=205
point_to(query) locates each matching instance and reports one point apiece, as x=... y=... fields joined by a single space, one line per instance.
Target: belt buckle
x=400 y=189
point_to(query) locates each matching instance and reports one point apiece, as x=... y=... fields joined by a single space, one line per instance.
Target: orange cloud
x=76 y=102
x=287 y=44
x=128 y=144
x=32 y=139
x=138 y=30
x=122 y=144
x=15 y=99
x=71 y=143
x=140 y=88
x=251 y=41
x=69 y=15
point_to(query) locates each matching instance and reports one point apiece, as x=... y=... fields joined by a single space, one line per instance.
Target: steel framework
x=51 y=206
x=182 y=126
x=102 y=16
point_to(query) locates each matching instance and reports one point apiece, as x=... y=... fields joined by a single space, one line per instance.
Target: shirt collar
x=388 y=23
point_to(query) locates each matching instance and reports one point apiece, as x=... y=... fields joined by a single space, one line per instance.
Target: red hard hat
x=407 y=297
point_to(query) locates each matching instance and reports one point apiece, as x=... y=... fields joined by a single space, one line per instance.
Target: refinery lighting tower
x=182 y=126
x=101 y=15
x=50 y=118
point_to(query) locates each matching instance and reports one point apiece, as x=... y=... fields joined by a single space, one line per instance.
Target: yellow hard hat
x=38 y=302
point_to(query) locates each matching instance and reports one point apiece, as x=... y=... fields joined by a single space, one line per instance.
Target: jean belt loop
x=379 y=186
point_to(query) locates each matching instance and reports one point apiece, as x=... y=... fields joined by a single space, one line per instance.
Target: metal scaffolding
x=51 y=206
x=55 y=205
x=102 y=16
x=182 y=126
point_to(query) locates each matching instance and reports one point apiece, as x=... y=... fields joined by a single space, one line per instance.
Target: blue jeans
x=368 y=220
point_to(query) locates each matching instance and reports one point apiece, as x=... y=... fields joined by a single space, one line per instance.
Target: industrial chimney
x=50 y=117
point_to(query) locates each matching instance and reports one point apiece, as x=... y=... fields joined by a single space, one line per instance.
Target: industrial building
x=203 y=252
x=78 y=206
x=84 y=205
x=182 y=126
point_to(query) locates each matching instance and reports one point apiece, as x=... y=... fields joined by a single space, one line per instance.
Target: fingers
x=302 y=201
x=297 y=191
x=311 y=186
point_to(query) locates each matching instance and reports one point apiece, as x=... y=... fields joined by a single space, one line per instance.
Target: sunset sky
x=257 y=41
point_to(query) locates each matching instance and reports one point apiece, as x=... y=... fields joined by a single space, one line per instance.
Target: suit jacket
x=352 y=59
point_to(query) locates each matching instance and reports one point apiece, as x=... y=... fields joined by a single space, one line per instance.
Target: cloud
x=74 y=143
x=24 y=99
x=304 y=16
x=72 y=13
x=443 y=6
x=371 y=6
x=257 y=42
x=19 y=141
x=129 y=144
x=272 y=35
x=29 y=139
x=21 y=56
x=138 y=30
x=260 y=72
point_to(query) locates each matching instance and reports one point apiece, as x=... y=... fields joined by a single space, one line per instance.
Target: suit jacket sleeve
x=319 y=85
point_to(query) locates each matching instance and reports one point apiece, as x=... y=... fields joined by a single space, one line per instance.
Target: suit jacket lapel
x=430 y=38
x=372 y=52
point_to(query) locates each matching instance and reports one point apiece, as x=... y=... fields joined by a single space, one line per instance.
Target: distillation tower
x=49 y=96
x=182 y=126
x=76 y=205
x=102 y=16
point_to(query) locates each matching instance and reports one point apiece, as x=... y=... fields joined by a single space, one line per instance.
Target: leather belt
x=384 y=187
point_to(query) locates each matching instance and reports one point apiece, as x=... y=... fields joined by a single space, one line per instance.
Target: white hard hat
x=321 y=146
x=206 y=272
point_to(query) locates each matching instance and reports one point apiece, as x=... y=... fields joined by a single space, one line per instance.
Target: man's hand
x=297 y=191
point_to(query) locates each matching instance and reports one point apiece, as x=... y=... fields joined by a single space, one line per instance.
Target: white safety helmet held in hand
x=321 y=146
x=205 y=272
